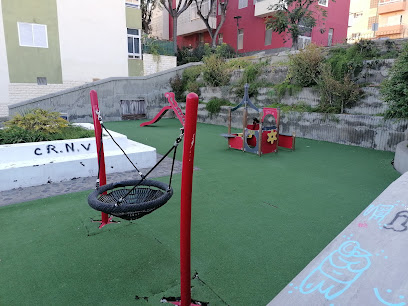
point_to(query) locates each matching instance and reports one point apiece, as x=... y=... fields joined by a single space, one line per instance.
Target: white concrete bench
x=32 y=164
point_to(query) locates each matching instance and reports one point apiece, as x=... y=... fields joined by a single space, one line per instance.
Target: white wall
x=153 y=64
x=93 y=39
x=19 y=92
x=4 y=74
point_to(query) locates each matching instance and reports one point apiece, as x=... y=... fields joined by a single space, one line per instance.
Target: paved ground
x=48 y=190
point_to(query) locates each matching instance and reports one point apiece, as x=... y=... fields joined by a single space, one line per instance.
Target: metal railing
x=157 y=46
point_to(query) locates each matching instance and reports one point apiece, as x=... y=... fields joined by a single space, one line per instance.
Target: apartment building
x=51 y=45
x=378 y=19
x=245 y=29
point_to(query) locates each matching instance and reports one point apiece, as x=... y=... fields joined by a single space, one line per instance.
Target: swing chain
x=98 y=113
x=179 y=138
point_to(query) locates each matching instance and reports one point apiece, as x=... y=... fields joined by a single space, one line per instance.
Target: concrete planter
x=401 y=157
x=38 y=163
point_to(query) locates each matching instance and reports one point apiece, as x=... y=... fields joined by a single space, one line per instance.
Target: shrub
x=225 y=51
x=304 y=66
x=39 y=120
x=191 y=74
x=238 y=63
x=214 y=105
x=251 y=73
x=16 y=134
x=336 y=95
x=215 y=72
x=193 y=87
x=281 y=89
x=177 y=86
x=394 y=90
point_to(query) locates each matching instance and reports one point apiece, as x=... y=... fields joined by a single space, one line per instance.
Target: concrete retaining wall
x=358 y=130
x=76 y=103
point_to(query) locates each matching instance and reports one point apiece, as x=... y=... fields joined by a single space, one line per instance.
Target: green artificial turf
x=256 y=223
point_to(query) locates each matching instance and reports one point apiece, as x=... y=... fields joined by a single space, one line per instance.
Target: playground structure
x=133 y=199
x=262 y=136
x=173 y=106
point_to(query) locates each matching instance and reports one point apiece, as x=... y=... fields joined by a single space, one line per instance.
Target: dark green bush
x=177 y=86
x=214 y=105
x=16 y=134
x=336 y=95
x=191 y=74
x=278 y=91
x=215 y=71
x=225 y=51
x=304 y=66
x=38 y=120
x=395 y=89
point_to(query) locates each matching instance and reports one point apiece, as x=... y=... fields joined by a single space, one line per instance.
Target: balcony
x=261 y=7
x=390 y=30
x=389 y=6
x=189 y=22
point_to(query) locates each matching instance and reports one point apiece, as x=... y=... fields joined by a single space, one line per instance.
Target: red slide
x=158 y=116
x=173 y=105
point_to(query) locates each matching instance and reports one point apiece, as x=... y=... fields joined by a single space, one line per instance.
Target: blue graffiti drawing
x=399 y=223
x=338 y=271
x=377 y=294
x=378 y=212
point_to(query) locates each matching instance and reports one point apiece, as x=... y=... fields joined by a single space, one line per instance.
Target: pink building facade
x=251 y=35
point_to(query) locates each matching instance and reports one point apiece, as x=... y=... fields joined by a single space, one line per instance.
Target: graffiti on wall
x=63 y=148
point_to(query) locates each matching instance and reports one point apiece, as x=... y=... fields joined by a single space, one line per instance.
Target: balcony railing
x=190 y=22
x=390 y=30
x=264 y=7
x=389 y=6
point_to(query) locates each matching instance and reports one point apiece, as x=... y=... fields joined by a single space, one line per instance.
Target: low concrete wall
x=76 y=103
x=364 y=264
x=401 y=157
x=358 y=130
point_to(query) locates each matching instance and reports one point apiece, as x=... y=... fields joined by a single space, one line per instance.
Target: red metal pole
x=186 y=189
x=99 y=149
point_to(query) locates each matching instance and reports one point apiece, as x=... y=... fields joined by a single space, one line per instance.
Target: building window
x=41 y=81
x=240 y=39
x=268 y=37
x=371 y=21
x=324 y=2
x=133 y=3
x=220 y=38
x=32 y=35
x=134 y=43
x=242 y=4
x=373 y=3
x=304 y=41
x=330 y=37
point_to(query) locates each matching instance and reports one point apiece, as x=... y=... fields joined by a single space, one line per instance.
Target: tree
x=295 y=17
x=206 y=15
x=147 y=7
x=181 y=6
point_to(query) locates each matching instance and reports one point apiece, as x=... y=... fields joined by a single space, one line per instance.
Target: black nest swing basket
x=132 y=199
x=128 y=202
